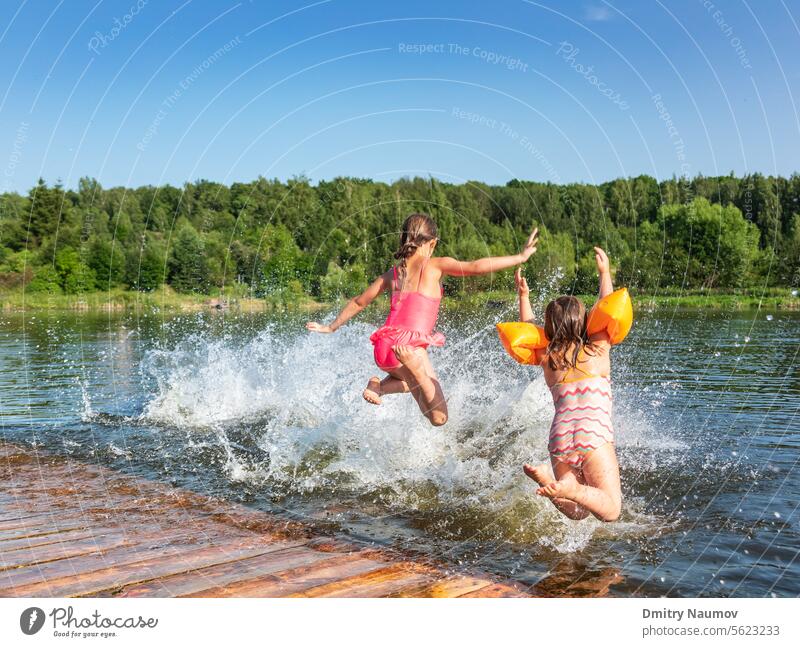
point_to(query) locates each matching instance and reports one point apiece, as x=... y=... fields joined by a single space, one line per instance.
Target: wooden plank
x=94 y=499
x=58 y=537
x=144 y=529
x=145 y=569
x=37 y=531
x=294 y=580
x=88 y=563
x=377 y=583
x=449 y=587
x=24 y=522
x=7 y=499
x=145 y=532
x=498 y=590
x=220 y=575
x=55 y=519
x=9 y=513
x=28 y=557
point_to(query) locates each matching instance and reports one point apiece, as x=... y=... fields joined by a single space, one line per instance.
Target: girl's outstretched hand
x=601 y=259
x=521 y=283
x=313 y=326
x=530 y=246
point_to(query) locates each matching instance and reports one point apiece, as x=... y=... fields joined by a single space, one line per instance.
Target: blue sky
x=151 y=91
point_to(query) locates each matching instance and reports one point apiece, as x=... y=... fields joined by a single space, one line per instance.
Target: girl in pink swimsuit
x=585 y=474
x=412 y=318
x=400 y=345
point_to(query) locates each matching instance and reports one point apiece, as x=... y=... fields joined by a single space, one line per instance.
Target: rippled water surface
x=252 y=408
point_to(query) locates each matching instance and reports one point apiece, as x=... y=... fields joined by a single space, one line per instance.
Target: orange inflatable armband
x=612 y=314
x=525 y=342
x=522 y=340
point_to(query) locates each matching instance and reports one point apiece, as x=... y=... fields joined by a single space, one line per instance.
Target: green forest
x=294 y=239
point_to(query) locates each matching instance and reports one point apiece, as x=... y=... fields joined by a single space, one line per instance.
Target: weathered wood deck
x=71 y=529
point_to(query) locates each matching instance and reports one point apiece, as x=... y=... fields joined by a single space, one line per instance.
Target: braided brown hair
x=418 y=229
x=565 y=327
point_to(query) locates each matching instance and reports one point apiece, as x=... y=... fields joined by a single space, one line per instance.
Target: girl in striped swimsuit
x=585 y=474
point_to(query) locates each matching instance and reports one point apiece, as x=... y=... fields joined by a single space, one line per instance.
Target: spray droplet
x=746 y=340
x=769 y=317
x=777 y=515
x=794 y=293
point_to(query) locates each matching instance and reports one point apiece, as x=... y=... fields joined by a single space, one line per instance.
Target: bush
x=342 y=282
x=146 y=267
x=74 y=275
x=45 y=280
x=188 y=271
x=107 y=262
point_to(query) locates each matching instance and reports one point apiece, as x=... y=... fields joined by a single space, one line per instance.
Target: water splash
x=296 y=398
x=87 y=412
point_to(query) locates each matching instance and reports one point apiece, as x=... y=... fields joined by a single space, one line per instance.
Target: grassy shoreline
x=164 y=299
x=167 y=300
x=770 y=299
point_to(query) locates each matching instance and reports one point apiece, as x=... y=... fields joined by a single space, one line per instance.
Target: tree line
x=294 y=238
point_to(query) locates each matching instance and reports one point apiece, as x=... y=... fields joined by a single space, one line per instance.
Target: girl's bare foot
x=541 y=473
x=563 y=489
x=372 y=393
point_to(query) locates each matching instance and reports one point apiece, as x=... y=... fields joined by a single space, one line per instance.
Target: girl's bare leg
x=418 y=373
x=544 y=477
x=377 y=387
x=391 y=384
x=602 y=494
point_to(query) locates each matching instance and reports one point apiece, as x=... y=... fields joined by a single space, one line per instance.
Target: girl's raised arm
x=525 y=310
x=355 y=305
x=453 y=267
x=606 y=288
x=604 y=272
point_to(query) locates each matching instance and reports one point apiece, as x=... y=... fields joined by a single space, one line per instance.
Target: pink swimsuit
x=411 y=320
x=582 y=422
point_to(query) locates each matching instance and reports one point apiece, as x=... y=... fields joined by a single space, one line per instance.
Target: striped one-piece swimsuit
x=582 y=422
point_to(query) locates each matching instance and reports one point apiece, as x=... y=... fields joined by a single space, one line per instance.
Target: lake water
x=253 y=409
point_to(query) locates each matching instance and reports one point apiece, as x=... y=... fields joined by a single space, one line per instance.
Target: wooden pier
x=71 y=529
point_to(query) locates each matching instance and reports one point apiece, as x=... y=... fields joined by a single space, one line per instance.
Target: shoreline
x=165 y=300
x=774 y=300
x=169 y=301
